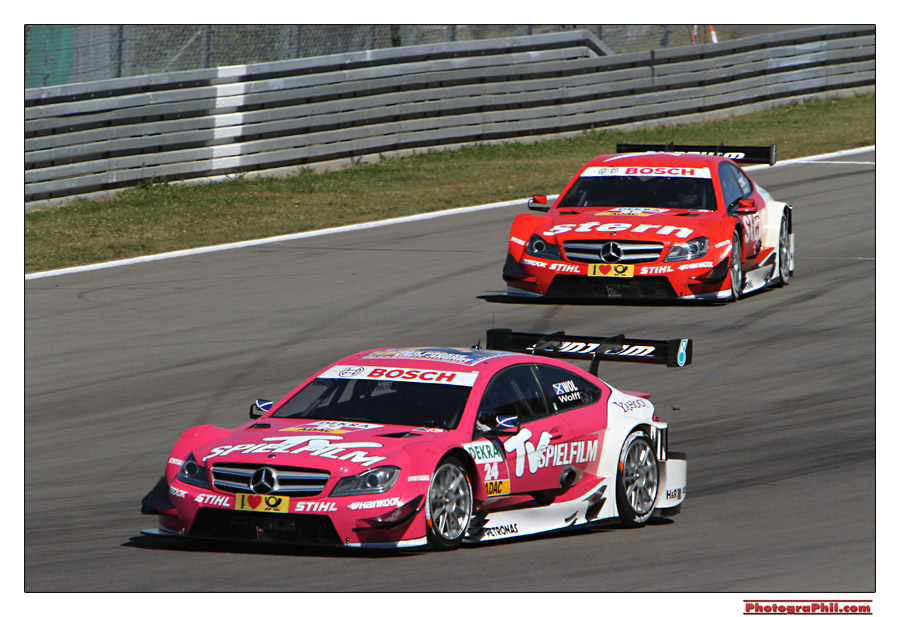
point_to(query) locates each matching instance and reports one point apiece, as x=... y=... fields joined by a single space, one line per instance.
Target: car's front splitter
x=368 y=520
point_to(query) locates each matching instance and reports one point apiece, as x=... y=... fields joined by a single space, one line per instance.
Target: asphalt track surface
x=776 y=414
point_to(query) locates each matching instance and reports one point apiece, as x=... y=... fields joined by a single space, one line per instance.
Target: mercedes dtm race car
x=655 y=222
x=408 y=447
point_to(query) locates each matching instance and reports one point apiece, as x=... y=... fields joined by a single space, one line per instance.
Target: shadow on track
x=160 y=543
x=504 y=299
x=163 y=543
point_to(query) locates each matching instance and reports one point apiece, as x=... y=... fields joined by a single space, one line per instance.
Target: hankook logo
x=263 y=481
x=611 y=252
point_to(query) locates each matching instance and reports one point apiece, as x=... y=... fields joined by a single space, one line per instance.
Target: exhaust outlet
x=568 y=477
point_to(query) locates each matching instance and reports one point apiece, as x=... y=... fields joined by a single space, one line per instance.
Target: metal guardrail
x=88 y=138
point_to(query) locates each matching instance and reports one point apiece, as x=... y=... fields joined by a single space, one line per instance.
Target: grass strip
x=159 y=217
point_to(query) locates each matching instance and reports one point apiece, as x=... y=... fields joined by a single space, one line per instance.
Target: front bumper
x=698 y=279
x=382 y=521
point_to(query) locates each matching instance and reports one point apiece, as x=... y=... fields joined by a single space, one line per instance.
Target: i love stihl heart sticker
x=261 y=503
x=620 y=270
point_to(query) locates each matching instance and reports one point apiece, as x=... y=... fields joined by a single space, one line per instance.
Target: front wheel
x=637 y=483
x=449 y=505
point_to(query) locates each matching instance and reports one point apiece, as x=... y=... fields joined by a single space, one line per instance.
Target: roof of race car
x=457 y=356
x=439 y=365
x=660 y=158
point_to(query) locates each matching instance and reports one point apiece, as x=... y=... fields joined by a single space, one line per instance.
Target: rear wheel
x=784 y=254
x=735 y=269
x=637 y=482
x=449 y=506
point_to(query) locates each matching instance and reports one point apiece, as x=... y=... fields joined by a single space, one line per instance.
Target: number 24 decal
x=490 y=472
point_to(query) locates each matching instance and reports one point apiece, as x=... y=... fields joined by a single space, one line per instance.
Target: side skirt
x=593 y=505
x=760 y=277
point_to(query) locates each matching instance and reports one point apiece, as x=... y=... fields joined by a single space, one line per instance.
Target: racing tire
x=784 y=255
x=449 y=505
x=637 y=481
x=735 y=268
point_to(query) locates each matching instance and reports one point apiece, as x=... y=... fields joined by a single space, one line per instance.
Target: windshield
x=640 y=192
x=383 y=402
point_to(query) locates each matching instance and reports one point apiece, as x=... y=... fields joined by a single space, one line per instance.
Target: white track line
x=357 y=227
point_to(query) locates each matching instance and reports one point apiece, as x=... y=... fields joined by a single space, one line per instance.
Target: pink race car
x=661 y=222
x=407 y=447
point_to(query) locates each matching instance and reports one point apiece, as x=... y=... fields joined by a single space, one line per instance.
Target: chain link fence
x=62 y=54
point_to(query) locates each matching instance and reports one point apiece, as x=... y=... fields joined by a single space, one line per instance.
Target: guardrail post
x=206 y=46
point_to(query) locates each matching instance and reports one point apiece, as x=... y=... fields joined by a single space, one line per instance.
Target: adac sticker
x=495 y=488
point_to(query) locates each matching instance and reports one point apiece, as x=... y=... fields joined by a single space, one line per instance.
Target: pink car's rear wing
x=674 y=352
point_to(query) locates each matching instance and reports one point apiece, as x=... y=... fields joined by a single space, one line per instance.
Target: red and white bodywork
x=654 y=225
x=376 y=449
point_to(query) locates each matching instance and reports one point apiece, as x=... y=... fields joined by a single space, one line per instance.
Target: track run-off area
x=777 y=413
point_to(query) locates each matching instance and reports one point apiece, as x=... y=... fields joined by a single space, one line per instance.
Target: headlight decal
x=538 y=247
x=692 y=249
x=191 y=472
x=371 y=481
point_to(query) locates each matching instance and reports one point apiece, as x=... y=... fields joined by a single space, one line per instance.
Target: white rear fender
x=775 y=212
x=626 y=414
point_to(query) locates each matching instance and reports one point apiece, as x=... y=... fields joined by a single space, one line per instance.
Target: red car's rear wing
x=739 y=154
x=674 y=352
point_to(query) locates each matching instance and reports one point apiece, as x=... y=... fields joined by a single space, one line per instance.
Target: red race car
x=655 y=222
x=406 y=447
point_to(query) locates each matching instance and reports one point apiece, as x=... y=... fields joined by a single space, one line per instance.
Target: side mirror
x=538 y=203
x=507 y=424
x=746 y=206
x=492 y=424
x=259 y=407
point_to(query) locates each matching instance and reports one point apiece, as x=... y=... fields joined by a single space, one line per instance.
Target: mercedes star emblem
x=263 y=481
x=611 y=252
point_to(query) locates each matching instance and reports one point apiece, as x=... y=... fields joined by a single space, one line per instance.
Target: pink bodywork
x=398 y=516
